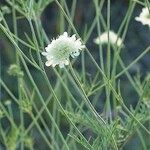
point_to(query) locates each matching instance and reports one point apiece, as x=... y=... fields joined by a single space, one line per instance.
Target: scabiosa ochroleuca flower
x=144 y=17
x=113 y=38
x=61 y=48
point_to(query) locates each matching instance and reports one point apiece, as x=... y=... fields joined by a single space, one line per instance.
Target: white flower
x=144 y=17
x=61 y=48
x=113 y=38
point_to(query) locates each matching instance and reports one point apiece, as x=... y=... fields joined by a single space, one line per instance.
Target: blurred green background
x=137 y=39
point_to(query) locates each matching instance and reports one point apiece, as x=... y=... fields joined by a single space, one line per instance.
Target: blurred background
x=137 y=39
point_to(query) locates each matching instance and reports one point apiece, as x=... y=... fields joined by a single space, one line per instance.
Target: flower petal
x=48 y=63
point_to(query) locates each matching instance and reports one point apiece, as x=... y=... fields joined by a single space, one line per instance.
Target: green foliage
x=11 y=138
x=85 y=105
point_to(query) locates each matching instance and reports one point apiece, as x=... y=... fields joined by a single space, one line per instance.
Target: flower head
x=26 y=106
x=144 y=17
x=15 y=70
x=61 y=48
x=7 y=102
x=113 y=38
